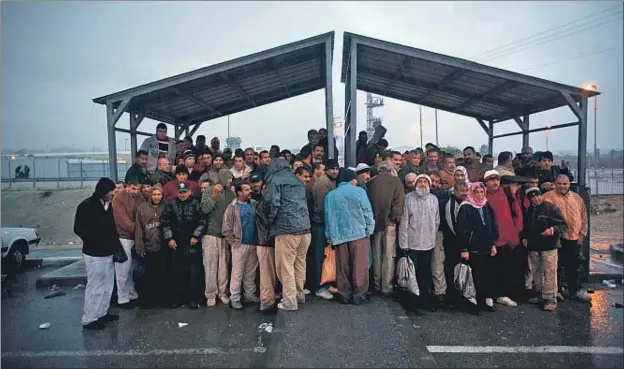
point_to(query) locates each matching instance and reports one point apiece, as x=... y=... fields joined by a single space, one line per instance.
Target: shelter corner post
x=135 y=121
x=112 y=117
x=582 y=142
x=351 y=137
x=329 y=100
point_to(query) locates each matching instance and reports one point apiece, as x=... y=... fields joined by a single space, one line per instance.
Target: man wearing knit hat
x=417 y=234
x=181 y=176
x=95 y=225
x=544 y=224
x=348 y=224
x=363 y=175
x=189 y=163
x=508 y=263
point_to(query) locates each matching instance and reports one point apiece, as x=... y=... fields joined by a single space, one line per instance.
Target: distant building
x=233 y=142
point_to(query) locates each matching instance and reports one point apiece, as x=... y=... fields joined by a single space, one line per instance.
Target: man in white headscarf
x=417 y=234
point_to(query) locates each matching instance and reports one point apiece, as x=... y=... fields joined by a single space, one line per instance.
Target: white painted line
x=527 y=350
x=607 y=263
x=96 y=353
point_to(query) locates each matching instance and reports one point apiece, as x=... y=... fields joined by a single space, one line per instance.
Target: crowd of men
x=215 y=226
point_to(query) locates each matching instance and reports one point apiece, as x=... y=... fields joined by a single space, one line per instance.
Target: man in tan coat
x=125 y=205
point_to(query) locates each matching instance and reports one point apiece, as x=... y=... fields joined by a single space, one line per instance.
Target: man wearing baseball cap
x=508 y=263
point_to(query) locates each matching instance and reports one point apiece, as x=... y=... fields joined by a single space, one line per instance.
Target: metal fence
x=604 y=181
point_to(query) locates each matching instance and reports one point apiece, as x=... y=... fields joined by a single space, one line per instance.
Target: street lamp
x=594 y=87
x=547 y=133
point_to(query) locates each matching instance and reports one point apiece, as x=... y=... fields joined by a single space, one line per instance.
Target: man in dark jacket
x=360 y=147
x=412 y=166
x=548 y=173
x=387 y=198
x=373 y=149
x=138 y=171
x=287 y=212
x=183 y=225
x=266 y=255
x=95 y=225
x=162 y=174
x=543 y=226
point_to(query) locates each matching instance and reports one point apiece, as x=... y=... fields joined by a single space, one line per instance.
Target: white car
x=16 y=243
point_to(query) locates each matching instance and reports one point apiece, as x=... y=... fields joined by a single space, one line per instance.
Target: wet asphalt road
x=320 y=334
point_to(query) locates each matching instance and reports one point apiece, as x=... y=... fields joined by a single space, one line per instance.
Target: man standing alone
x=95 y=225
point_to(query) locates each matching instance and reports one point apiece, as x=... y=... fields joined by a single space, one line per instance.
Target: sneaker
x=306 y=291
x=301 y=299
x=489 y=302
x=473 y=300
x=211 y=302
x=581 y=296
x=252 y=299
x=550 y=306
x=506 y=301
x=535 y=300
x=282 y=307
x=333 y=290
x=94 y=326
x=224 y=300
x=324 y=294
x=236 y=305
x=560 y=297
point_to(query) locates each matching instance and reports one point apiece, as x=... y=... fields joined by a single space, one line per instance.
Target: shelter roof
x=232 y=86
x=451 y=84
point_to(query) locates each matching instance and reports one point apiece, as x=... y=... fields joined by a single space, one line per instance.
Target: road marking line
x=154 y=352
x=527 y=350
x=607 y=263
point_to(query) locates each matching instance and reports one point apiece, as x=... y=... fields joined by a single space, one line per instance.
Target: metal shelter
x=488 y=94
x=187 y=100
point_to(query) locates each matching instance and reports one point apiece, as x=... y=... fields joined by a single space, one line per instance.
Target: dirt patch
x=607 y=225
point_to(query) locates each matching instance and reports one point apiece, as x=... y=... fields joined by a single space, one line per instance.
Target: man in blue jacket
x=349 y=223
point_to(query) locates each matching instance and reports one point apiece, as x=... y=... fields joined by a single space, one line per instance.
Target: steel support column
x=582 y=142
x=490 y=133
x=112 y=140
x=329 y=101
x=525 y=131
x=350 y=156
x=135 y=121
x=347 y=113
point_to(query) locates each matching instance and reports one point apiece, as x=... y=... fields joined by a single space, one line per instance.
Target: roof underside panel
x=231 y=87
x=450 y=84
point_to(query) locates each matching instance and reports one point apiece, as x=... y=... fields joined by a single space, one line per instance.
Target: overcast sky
x=58 y=56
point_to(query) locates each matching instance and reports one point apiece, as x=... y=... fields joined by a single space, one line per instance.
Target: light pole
x=547 y=133
x=420 y=118
x=436 y=123
x=594 y=87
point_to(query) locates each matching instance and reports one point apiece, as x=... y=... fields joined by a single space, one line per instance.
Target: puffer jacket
x=214 y=208
x=262 y=224
x=147 y=235
x=182 y=220
x=539 y=218
x=285 y=195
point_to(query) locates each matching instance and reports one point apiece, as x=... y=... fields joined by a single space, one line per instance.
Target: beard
x=422 y=192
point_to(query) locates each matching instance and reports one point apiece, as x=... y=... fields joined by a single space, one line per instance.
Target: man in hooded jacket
x=287 y=213
x=95 y=225
x=148 y=246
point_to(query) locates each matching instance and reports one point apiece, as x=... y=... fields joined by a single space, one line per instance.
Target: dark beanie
x=532 y=192
x=104 y=186
x=346 y=175
x=217 y=155
x=181 y=169
x=546 y=155
x=332 y=164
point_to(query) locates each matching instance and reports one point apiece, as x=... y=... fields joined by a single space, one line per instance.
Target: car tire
x=16 y=257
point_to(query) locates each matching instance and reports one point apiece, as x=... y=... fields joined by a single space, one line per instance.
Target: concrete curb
x=617 y=252
x=51 y=261
x=599 y=277
x=69 y=275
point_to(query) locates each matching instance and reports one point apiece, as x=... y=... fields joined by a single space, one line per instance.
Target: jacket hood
x=103 y=186
x=277 y=165
x=157 y=187
x=224 y=176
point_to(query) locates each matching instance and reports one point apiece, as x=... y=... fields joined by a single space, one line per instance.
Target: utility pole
x=436 y=124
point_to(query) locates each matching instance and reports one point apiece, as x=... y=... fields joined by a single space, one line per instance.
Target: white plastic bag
x=463 y=281
x=406 y=275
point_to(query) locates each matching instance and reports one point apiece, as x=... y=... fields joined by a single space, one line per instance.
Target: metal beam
x=572 y=104
x=461 y=63
x=329 y=100
x=582 y=143
x=216 y=69
x=565 y=125
x=483 y=125
x=432 y=86
x=399 y=72
x=180 y=129
x=525 y=133
x=135 y=121
x=443 y=84
x=238 y=88
x=112 y=140
x=490 y=138
x=261 y=99
x=197 y=101
x=195 y=128
x=120 y=110
x=137 y=132
x=520 y=123
x=505 y=86
x=276 y=69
